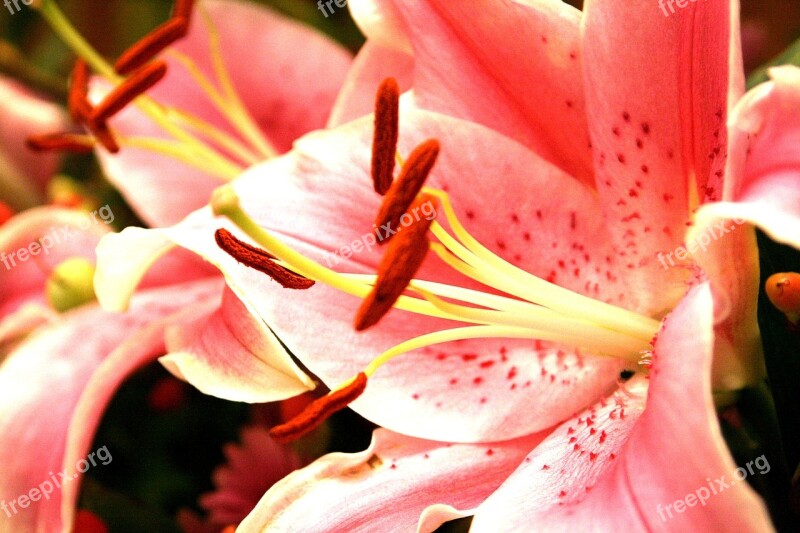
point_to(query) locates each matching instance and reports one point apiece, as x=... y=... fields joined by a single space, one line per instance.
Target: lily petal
x=372 y=65
x=521 y=68
x=23 y=173
x=286 y=74
x=233 y=355
x=54 y=234
x=381 y=23
x=765 y=171
x=674 y=450
x=657 y=138
x=424 y=481
x=56 y=435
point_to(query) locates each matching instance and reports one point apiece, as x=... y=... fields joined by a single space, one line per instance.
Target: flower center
x=189 y=138
x=530 y=307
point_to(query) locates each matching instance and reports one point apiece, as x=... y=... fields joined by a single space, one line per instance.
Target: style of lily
x=544 y=319
x=57 y=381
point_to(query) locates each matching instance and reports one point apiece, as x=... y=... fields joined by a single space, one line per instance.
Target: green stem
x=62 y=26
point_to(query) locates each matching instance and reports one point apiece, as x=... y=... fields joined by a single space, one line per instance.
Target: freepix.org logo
x=13 y=6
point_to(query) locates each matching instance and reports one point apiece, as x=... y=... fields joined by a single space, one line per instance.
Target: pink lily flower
x=275 y=98
x=182 y=307
x=23 y=173
x=572 y=196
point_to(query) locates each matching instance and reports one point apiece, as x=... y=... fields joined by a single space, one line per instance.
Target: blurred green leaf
x=791 y=56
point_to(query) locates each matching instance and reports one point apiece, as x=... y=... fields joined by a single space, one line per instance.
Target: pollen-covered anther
x=384 y=141
x=151 y=44
x=260 y=260
x=103 y=135
x=783 y=290
x=408 y=184
x=183 y=9
x=127 y=91
x=319 y=410
x=68 y=142
x=77 y=103
x=403 y=257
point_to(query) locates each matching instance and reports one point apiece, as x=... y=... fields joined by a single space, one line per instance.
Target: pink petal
x=232 y=354
x=764 y=185
x=371 y=66
x=24 y=173
x=567 y=465
x=516 y=70
x=381 y=23
x=762 y=189
x=511 y=388
x=56 y=385
x=68 y=233
x=675 y=449
x=349 y=492
x=287 y=75
x=661 y=127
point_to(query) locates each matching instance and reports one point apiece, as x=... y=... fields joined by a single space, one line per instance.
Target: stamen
x=397 y=268
x=319 y=410
x=183 y=9
x=103 y=134
x=260 y=260
x=408 y=184
x=68 y=142
x=783 y=290
x=77 y=102
x=127 y=91
x=384 y=142
x=151 y=44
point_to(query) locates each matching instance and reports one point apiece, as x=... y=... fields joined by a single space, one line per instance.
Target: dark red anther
x=103 y=134
x=183 y=9
x=260 y=260
x=77 y=102
x=384 y=141
x=127 y=91
x=406 y=187
x=151 y=44
x=67 y=142
x=397 y=268
x=319 y=410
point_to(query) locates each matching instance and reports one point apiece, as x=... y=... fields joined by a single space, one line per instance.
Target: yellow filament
x=165 y=116
x=594 y=337
x=214 y=134
x=537 y=290
x=178 y=151
x=236 y=110
x=474 y=332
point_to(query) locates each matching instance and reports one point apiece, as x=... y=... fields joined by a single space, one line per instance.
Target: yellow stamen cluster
x=192 y=140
